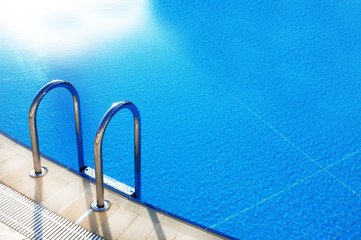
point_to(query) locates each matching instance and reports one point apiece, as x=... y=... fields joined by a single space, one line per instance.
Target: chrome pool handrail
x=100 y=204
x=39 y=171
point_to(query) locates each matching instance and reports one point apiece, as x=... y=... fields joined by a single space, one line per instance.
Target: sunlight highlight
x=69 y=23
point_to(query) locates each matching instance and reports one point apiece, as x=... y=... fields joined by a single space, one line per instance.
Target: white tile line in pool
x=257 y=116
x=344 y=158
x=278 y=133
x=321 y=229
x=336 y=219
x=284 y=225
x=273 y=129
x=287 y=188
x=43 y=68
x=253 y=113
x=346 y=229
x=265 y=199
x=161 y=40
x=292 y=144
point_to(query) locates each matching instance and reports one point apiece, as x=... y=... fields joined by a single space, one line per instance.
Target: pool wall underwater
x=251 y=112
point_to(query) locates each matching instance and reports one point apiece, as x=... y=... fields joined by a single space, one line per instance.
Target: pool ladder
x=39 y=171
x=100 y=204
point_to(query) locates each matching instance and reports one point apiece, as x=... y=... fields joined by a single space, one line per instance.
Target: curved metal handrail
x=100 y=204
x=39 y=171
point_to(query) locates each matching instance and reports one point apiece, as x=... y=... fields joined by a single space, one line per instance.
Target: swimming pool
x=250 y=112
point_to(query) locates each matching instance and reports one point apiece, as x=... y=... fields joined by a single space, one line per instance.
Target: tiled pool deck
x=70 y=196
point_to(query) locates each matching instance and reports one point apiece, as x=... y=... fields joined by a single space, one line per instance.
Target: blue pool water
x=251 y=111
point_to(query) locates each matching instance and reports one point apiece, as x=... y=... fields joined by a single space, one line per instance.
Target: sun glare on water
x=68 y=24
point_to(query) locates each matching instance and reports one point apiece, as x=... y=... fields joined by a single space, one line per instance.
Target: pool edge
x=134 y=200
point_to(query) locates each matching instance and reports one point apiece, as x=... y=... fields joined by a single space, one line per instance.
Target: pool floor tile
x=349 y=172
x=352 y=232
x=300 y=210
x=275 y=85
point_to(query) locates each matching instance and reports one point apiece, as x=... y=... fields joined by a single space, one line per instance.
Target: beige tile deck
x=70 y=196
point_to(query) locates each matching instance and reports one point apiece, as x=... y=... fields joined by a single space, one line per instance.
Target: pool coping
x=213 y=234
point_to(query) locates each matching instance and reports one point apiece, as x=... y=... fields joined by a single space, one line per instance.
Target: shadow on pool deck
x=69 y=195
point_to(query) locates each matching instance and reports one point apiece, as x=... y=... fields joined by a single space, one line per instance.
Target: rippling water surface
x=251 y=110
